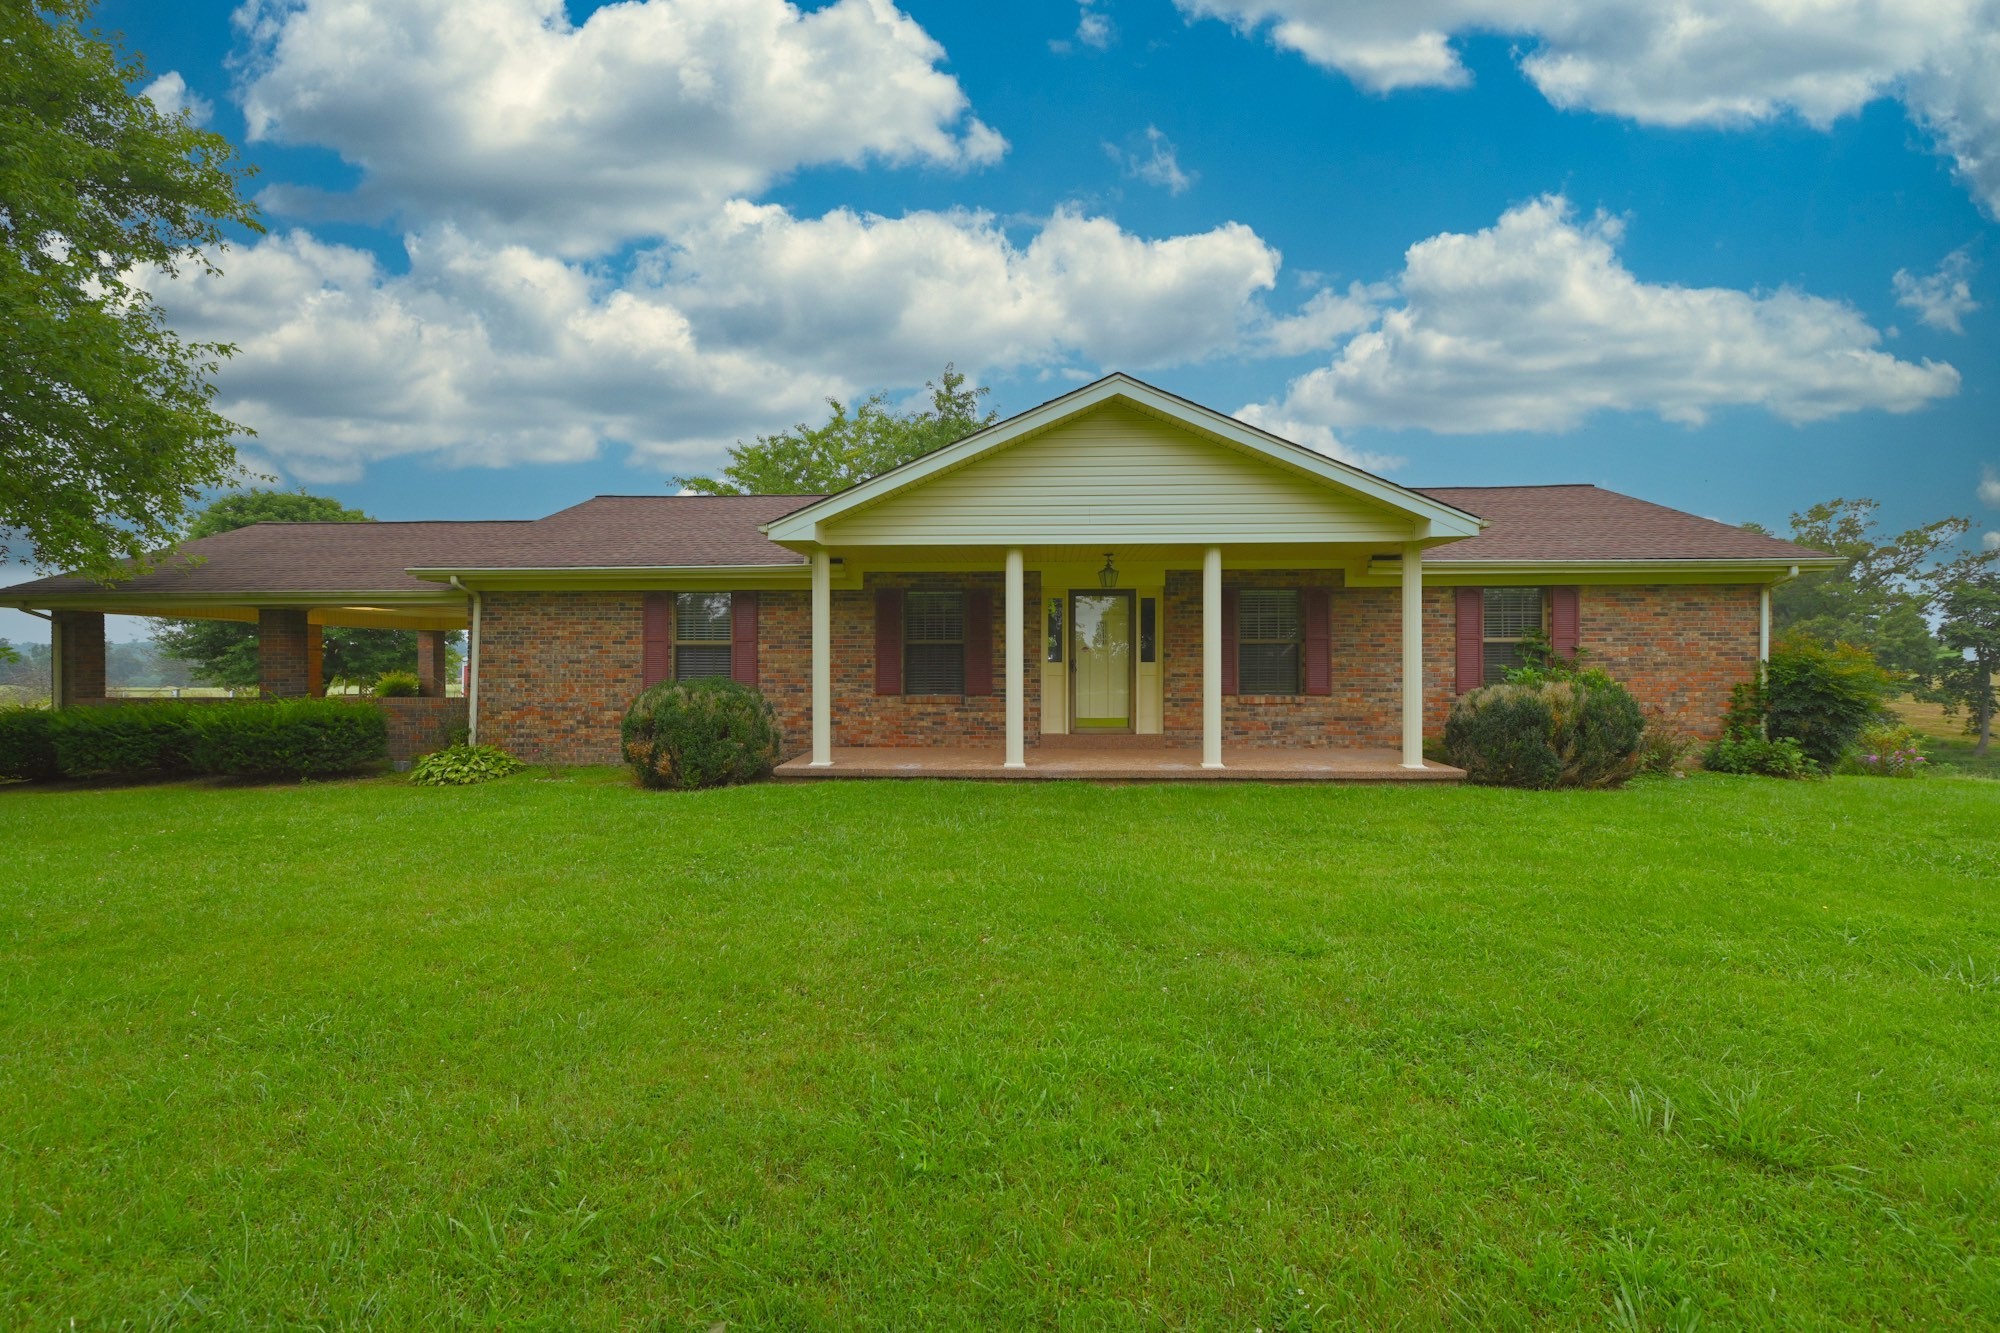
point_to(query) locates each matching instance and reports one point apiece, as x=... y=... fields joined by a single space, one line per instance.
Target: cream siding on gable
x=1117 y=475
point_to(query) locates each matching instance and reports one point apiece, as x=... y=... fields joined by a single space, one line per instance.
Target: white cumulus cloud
x=504 y=118
x=1535 y=324
x=493 y=354
x=171 y=94
x=1941 y=299
x=1989 y=488
x=1692 y=62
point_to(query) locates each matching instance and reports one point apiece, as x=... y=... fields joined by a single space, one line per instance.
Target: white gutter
x=471 y=665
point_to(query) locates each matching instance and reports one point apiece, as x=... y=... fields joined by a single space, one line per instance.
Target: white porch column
x=1764 y=623
x=1211 y=657
x=1017 y=699
x=822 y=613
x=1413 y=655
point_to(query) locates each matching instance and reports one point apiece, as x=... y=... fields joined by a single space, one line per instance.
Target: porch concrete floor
x=1125 y=763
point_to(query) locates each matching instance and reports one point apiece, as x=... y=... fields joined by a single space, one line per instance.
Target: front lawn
x=559 y=1053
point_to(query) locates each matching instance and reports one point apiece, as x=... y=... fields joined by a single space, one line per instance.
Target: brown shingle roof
x=649 y=530
x=1588 y=524
x=1566 y=523
x=610 y=530
x=304 y=558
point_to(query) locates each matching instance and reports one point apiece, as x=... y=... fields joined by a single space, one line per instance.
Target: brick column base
x=79 y=638
x=284 y=658
x=431 y=659
x=315 y=661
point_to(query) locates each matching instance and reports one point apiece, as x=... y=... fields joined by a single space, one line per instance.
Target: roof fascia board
x=1441 y=520
x=1444 y=573
x=602 y=578
x=102 y=600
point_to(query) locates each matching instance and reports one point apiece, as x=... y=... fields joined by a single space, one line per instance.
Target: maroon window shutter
x=1565 y=620
x=1229 y=640
x=655 y=646
x=978 y=641
x=1471 y=638
x=1319 y=641
x=889 y=641
x=743 y=637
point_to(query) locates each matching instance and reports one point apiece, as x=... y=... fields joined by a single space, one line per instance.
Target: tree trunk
x=1985 y=723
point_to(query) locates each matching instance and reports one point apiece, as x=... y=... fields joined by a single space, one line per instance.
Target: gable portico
x=1157 y=488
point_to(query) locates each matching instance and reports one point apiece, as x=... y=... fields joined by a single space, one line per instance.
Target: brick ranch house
x=1118 y=582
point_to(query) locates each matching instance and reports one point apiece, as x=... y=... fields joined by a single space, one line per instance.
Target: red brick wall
x=556 y=672
x=558 y=669
x=863 y=717
x=1680 y=647
x=1365 y=707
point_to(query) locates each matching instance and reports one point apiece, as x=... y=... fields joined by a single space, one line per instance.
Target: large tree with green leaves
x=1970 y=630
x=819 y=460
x=1881 y=596
x=224 y=652
x=107 y=436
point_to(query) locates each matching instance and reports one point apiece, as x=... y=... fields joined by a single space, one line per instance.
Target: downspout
x=471 y=666
x=1764 y=614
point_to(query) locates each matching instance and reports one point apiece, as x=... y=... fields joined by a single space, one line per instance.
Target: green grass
x=559 y=1053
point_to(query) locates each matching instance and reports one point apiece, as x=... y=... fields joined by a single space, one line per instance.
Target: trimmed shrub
x=287 y=738
x=462 y=765
x=27 y=744
x=124 y=740
x=1822 y=697
x=398 y=685
x=1756 y=755
x=700 y=733
x=1580 y=731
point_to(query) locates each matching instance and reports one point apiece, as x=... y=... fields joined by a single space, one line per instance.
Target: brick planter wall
x=418 y=726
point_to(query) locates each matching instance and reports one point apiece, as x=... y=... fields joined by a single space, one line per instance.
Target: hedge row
x=284 y=738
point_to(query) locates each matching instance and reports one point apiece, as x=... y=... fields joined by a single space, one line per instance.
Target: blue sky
x=520 y=254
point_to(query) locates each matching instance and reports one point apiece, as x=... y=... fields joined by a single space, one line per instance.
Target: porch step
x=1115 y=740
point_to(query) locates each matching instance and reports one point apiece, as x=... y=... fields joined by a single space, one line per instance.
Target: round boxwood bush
x=397 y=685
x=711 y=732
x=1578 y=732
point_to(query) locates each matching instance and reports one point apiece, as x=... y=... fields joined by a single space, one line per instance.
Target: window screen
x=1149 y=629
x=701 y=634
x=934 y=643
x=1055 y=633
x=1512 y=614
x=1267 y=641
